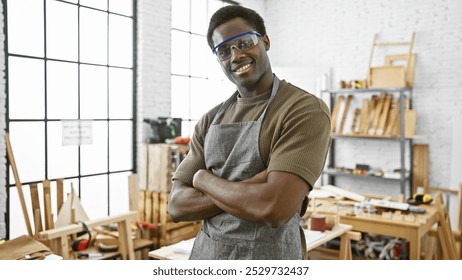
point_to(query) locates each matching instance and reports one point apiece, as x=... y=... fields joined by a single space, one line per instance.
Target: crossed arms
x=271 y=198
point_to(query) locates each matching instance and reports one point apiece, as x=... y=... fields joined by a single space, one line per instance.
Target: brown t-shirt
x=294 y=137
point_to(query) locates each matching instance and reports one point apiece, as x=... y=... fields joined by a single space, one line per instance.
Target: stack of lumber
x=159 y=163
x=378 y=116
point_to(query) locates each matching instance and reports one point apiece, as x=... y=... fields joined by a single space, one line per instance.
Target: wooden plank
x=410 y=117
x=364 y=120
x=344 y=114
x=337 y=104
x=372 y=106
x=143 y=176
x=141 y=202
x=148 y=207
x=36 y=207
x=420 y=167
x=155 y=207
x=59 y=193
x=377 y=113
x=9 y=152
x=354 y=123
x=390 y=59
x=47 y=204
x=384 y=115
x=133 y=192
x=393 y=120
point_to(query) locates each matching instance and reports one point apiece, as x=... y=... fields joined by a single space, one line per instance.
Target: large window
x=70 y=64
x=198 y=83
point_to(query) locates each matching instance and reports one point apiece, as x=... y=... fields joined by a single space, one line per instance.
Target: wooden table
x=172 y=252
x=410 y=230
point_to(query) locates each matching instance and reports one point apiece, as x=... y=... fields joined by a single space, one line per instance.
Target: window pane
x=25 y=27
x=26 y=82
x=206 y=94
x=120 y=93
x=94 y=156
x=94 y=196
x=62 y=95
x=187 y=128
x=199 y=21
x=120 y=41
x=180 y=14
x=180 y=97
x=120 y=145
x=93 y=36
x=180 y=53
x=99 y=4
x=124 y=7
x=202 y=57
x=28 y=144
x=93 y=92
x=63 y=161
x=118 y=193
x=62 y=36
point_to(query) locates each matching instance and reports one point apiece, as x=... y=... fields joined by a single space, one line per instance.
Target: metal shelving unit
x=402 y=139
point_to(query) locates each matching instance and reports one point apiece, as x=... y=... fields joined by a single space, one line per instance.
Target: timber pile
x=159 y=163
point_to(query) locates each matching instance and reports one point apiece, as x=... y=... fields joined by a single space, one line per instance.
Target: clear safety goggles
x=242 y=42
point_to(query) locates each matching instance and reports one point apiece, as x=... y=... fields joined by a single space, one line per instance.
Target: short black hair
x=230 y=12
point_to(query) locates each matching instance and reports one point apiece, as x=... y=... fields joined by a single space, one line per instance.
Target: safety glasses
x=242 y=42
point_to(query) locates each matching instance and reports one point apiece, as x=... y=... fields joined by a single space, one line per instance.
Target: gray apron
x=232 y=152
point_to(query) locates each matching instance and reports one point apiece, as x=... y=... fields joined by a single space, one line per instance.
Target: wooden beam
x=9 y=151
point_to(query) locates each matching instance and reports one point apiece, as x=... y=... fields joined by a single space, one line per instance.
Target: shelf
x=397 y=138
x=334 y=173
x=365 y=90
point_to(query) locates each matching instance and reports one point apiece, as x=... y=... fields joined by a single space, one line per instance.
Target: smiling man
x=254 y=157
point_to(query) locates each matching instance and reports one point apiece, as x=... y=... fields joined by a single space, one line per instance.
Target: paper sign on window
x=77 y=133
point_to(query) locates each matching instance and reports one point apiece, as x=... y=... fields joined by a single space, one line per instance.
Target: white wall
x=338 y=33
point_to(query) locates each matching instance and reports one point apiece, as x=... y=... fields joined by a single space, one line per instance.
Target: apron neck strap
x=232 y=99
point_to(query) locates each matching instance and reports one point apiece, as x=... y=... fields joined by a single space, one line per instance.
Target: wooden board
x=47 y=205
x=393 y=120
x=141 y=205
x=354 y=123
x=148 y=207
x=344 y=114
x=372 y=106
x=410 y=117
x=133 y=192
x=335 y=111
x=71 y=211
x=387 y=76
x=377 y=112
x=59 y=193
x=420 y=167
x=10 y=155
x=162 y=163
x=365 y=113
x=391 y=59
x=36 y=207
x=384 y=115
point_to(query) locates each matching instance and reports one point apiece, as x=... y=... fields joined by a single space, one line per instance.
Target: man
x=253 y=158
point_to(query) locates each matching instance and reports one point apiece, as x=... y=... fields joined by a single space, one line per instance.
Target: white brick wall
x=339 y=34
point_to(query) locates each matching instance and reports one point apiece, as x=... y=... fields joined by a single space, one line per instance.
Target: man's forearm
x=189 y=204
x=273 y=202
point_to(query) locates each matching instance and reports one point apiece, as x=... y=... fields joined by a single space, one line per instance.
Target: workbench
x=177 y=251
x=409 y=228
